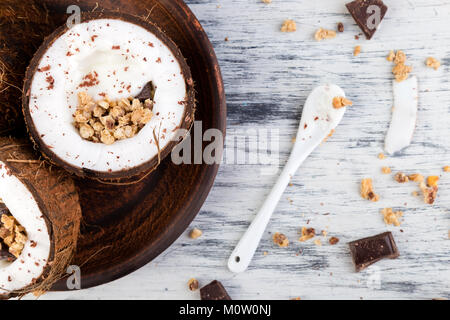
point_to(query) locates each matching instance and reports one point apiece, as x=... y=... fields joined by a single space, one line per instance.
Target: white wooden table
x=268 y=75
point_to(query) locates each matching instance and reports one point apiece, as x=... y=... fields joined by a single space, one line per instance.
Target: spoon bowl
x=319 y=119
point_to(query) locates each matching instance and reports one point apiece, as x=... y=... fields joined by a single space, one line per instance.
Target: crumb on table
x=367 y=190
x=432 y=63
x=289 y=26
x=400 y=70
x=193 y=284
x=195 y=233
x=386 y=170
x=280 y=239
x=322 y=34
x=400 y=177
x=391 y=217
x=307 y=233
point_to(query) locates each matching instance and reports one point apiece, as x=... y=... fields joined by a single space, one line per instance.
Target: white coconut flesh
x=31 y=263
x=404 y=115
x=124 y=57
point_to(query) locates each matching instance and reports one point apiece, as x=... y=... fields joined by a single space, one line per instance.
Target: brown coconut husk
x=23 y=26
x=124 y=177
x=57 y=197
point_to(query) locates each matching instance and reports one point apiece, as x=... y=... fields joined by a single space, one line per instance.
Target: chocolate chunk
x=4 y=209
x=214 y=291
x=373 y=249
x=5 y=255
x=148 y=92
x=368 y=14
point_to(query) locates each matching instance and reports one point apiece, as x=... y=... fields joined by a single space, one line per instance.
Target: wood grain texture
x=267 y=78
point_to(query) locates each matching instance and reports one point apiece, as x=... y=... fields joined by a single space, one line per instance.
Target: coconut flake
x=33 y=259
x=404 y=115
x=121 y=59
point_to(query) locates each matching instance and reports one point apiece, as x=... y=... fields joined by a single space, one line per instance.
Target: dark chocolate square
x=214 y=291
x=372 y=249
x=368 y=14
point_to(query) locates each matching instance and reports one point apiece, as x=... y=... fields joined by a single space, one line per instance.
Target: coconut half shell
x=120 y=165
x=45 y=202
x=24 y=25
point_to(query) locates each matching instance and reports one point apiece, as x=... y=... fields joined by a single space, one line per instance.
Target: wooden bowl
x=125 y=227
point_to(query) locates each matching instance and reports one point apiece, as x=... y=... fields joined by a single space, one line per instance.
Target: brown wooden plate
x=125 y=227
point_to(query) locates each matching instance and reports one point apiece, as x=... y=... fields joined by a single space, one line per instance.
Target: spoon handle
x=244 y=251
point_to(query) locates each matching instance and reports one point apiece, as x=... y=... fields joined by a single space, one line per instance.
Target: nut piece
x=195 y=233
x=391 y=217
x=193 y=284
x=357 y=51
x=400 y=177
x=280 y=239
x=367 y=190
x=333 y=241
x=307 y=233
x=432 y=63
x=340 y=27
x=340 y=102
x=289 y=26
x=400 y=71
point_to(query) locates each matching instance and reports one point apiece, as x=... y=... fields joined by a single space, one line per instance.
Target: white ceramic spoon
x=319 y=118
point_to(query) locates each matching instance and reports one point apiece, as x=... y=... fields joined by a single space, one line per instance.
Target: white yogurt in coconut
x=33 y=258
x=114 y=58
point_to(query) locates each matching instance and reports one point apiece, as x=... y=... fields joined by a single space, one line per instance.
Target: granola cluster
x=400 y=70
x=432 y=63
x=289 y=26
x=322 y=34
x=429 y=189
x=367 y=190
x=307 y=233
x=391 y=217
x=12 y=235
x=107 y=121
x=280 y=239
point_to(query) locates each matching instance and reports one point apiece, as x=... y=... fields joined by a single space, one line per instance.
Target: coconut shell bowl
x=126 y=225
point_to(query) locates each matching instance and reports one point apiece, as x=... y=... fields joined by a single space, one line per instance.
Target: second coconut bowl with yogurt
x=105 y=99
